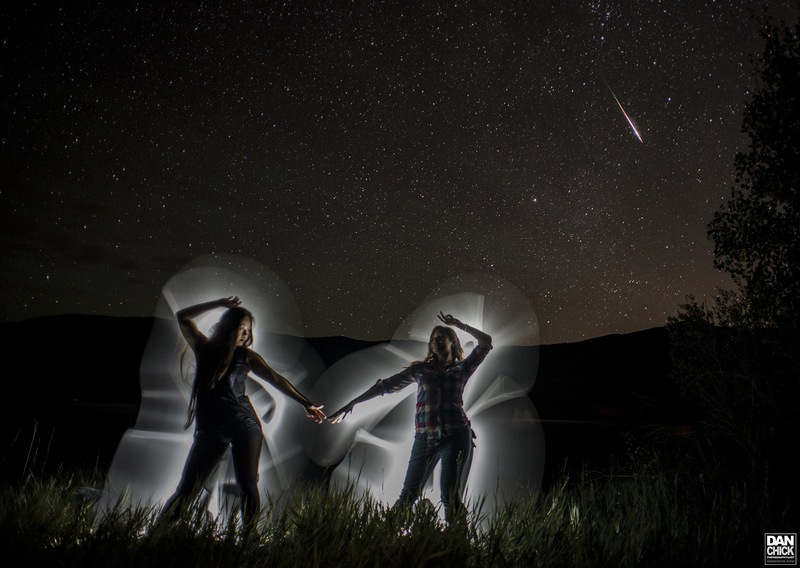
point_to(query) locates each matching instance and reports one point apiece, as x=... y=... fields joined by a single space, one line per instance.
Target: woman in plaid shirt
x=442 y=429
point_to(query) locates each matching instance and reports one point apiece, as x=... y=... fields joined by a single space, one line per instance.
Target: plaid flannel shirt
x=440 y=403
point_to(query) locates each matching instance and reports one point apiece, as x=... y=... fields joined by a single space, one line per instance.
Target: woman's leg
x=203 y=458
x=424 y=455
x=246 y=454
x=456 y=455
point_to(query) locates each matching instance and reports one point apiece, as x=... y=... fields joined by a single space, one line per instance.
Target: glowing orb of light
x=149 y=460
x=372 y=446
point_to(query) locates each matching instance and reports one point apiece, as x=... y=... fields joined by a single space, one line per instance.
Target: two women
x=224 y=416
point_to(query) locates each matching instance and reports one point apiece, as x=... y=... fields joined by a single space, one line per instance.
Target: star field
x=368 y=151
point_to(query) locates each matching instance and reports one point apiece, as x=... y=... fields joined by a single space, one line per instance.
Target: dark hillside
x=79 y=390
x=598 y=397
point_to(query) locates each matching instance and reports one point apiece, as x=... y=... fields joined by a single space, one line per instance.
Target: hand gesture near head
x=230 y=302
x=483 y=338
x=189 y=330
x=450 y=320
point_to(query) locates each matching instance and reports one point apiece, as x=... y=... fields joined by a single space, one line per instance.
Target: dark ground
x=70 y=397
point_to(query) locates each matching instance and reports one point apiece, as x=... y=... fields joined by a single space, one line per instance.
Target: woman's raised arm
x=483 y=338
x=189 y=330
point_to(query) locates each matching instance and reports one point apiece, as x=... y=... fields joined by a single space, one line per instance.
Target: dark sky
x=368 y=151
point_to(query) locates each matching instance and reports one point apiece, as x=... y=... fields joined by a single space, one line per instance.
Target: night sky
x=368 y=151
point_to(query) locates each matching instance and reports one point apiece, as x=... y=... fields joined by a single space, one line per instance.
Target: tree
x=757 y=233
x=735 y=357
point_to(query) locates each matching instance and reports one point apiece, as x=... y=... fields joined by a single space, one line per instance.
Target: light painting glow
x=149 y=460
x=371 y=447
x=373 y=444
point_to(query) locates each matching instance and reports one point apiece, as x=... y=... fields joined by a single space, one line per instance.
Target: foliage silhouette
x=756 y=233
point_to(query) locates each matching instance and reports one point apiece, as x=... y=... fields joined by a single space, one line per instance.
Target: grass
x=651 y=517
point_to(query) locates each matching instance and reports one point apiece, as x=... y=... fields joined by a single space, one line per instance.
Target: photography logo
x=780 y=548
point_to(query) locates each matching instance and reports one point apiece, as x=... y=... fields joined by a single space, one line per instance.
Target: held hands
x=314 y=411
x=341 y=413
x=451 y=321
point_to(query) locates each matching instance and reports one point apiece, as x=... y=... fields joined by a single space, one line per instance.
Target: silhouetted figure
x=219 y=406
x=443 y=431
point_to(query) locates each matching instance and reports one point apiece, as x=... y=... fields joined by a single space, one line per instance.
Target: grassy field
x=646 y=517
x=703 y=494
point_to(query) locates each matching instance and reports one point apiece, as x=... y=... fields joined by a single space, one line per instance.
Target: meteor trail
x=623 y=111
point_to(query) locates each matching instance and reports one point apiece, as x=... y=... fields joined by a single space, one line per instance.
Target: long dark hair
x=456 y=351
x=213 y=362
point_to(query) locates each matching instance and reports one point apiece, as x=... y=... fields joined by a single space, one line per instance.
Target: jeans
x=455 y=451
x=208 y=448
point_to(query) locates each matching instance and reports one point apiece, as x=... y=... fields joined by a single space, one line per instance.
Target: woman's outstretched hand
x=450 y=320
x=339 y=415
x=314 y=411
x=230 y=302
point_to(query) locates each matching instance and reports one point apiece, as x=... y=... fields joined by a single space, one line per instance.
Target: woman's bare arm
x=191 y=334
x=264 y=371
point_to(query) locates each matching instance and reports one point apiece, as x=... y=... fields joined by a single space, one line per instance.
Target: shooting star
x=623 y=111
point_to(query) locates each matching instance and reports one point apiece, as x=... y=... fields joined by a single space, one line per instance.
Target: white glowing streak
x=623 y=112
x=629 y=121
x=502 y=389
x=380 y=466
